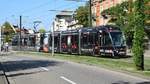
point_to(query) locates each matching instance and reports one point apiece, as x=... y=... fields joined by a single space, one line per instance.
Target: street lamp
x=0 y=40
x=36 y=23
x=90 y=13
x=1 y=37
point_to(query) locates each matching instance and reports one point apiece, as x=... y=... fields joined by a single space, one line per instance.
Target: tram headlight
x=96 y=47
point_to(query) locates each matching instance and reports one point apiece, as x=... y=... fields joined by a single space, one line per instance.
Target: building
x=65 y=21
x=61 y=21
x=100 y=5
x=74 y=25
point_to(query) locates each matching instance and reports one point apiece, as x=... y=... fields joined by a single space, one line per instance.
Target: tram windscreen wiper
x=117 y=38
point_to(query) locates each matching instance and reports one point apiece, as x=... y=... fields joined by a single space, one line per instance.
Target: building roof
x=65 y=13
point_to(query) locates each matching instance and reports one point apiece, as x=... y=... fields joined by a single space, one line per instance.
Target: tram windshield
x=117 y=38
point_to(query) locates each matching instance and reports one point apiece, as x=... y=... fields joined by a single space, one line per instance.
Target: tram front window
x=106 y=40
x=117 y=38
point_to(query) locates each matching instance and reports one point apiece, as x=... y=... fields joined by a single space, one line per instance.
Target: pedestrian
x=6 y=46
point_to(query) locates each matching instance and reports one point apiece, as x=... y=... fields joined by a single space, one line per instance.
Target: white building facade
x=65 y=21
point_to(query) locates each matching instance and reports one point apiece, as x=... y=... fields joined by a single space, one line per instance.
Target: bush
x=138 y=43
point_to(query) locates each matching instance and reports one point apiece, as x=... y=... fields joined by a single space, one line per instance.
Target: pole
x=53 y=40
x=20 y=32
x=0 y=40
x=90 y=13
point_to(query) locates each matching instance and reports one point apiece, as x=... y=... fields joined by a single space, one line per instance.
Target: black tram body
x=57 y=41
x=27 y=42
x=70 y=41
x=88 y=39
x=102 y=40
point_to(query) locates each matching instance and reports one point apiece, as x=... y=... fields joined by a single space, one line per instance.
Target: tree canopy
x=7 y=31
x=41 y=30
x=7 y=28
x=82 y=15
x=122 y=16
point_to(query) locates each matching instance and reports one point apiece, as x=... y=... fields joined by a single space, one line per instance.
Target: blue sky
x=33 y=10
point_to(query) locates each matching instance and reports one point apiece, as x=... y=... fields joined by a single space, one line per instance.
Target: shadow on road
x=27 y=64
x=22 y=73
x=116 y=57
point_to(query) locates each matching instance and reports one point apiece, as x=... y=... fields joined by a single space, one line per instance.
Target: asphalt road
x=41 y=70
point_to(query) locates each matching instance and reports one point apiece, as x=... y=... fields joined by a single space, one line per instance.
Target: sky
x=34 y=10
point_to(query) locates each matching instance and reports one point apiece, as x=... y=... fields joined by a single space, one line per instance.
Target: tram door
x=88 y=43
x=106 y=44
x=74 y=44
x=64 y=43
x=56 y=43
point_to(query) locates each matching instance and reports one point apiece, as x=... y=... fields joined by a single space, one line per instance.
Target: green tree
x=139 y=24
x=82 y=15
x=7 y=31
x=42 y=30
x=122 y=15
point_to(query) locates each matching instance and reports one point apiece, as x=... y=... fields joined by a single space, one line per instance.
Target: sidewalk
x=3 y=79
x=146 y=53
x=3 y=53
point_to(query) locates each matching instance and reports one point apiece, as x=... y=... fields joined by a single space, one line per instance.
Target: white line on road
x=45 y=69
x=66 y=79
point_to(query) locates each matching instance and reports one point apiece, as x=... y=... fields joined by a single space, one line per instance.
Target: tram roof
x=87 y=29
x=106 y=27
x=70 y=32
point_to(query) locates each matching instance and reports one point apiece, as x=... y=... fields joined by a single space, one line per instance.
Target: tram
x=102 y=40
x=97 y=41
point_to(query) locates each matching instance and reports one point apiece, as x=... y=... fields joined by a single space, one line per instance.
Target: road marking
x=45 y=69
x=66 y=79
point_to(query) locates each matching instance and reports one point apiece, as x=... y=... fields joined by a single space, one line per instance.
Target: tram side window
x=32 y=41
x=90 y=39
x=25 y=41
x=106 y=40
x=50 y=40
x=93 y=39
x=64 y=41
x=74 y=40
x=56 y=41
x=41 y=39
x=84 y=41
